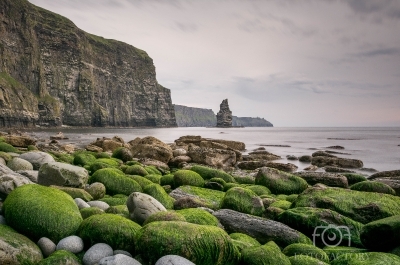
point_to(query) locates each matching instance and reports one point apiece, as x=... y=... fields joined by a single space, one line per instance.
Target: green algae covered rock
x=282 y=204
x=187 y=177
x=279 y=182
x=208 y=173
x=98 y=165
x=84 y=159
x=334 y=252
x=229 y=186
x=118 y=199
x=373 y=186
x=136 y=170
x=242 y=241
x=143 y=182
x=268 y=254
x=305 y=260
x=259 y=189
x=38 y=211
x=353 y=178
x=17 y=248
x=167 y=180
x=306 y=249
x=121 y=210
x=112 y=229
x=75 y=192
x=243 y=200
x=244 y=179
x=87 y=212
x=158 y=193
x=155 y=178
x=165 y=216
x=61 y=257
x=211 y=198
x=112 y=162
x=198 y=216
x=363 y=207
x=115 y=181
x=382 y=235
x=368 y=258
x=308 y=219
x=201 y=244
x=5 y=147
x=152 y=170
x=122 y=153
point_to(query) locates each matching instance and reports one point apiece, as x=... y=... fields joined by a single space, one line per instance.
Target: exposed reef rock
x=224 y=115
x=53 y=73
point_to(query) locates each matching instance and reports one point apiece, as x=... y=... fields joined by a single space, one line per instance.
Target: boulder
x=179 y=160
x=322 y=161
x=369 y=258
x=46 y=246
x=10 y=181
x=141 y=206
x=96 y=252
x=151 y=147
x=107 y=144
x=19 y=140
x=201 y=244
x=279 y=182
x=99 y=204
x=209 y=173
x=392 y=174
x=97 y=190
x=373 y=186
x=61 y=174
x=393 y=183
x=305 y=260
x=116 y=231
x=187 y=177
x=337 y=170
x=198 y=216
x=158 y=193
x=262 y=155
x=32 y=175
x=213 y=157
x=37 y=159
x=165 y=216
x=179 y=152
x=61 y=257
x=242 y=241
x=363 y=207
x=243 y=200
x=19 y=164
x=173 y=260
x=307 y=250
x=288 y=167
x=312 y=221
x=122 y=153
x=38 y=211
x=269 y=253
x=75 y=192
x=263 y=230
x=17 y=248
x=81 y=203
x=305 y=158
x=329 y=179
x=322 y=153
x=252 y=164
x=94 y=148
x=382 y=235
x=198 y=197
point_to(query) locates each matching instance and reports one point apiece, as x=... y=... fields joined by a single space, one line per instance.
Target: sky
x=295 y=63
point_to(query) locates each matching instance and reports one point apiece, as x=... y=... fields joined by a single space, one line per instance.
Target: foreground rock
x=201 y=244
x=61 y=174
x=151 y=147
x=363 y=207
x=9 y=180
x=263 y=230
x=382 y=235
x=38 y=211
x=37 y=159
x=219 y=158
x=141 y=206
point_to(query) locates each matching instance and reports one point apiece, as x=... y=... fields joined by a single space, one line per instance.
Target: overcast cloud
x=292 y=62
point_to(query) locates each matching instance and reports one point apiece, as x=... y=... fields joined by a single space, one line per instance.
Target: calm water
x=377 y=147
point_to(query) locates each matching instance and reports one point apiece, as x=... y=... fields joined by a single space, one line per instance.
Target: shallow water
x=377 y=147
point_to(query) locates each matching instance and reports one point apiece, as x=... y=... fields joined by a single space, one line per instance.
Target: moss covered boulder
x=61 y=257
x=155 y=178
x=143 y=182
x=118 y=199
x=17 y=249
x=87 y=212
x=136 y=170
x=242 y=241
x=353 y=178
x=268 y=254
x=38 y=211
x=115 y=181
x=208 y=173
x=122 y=153
x=373 y=186
x=201 y=244
x=141 y=206
x=187 y=177
x=279 y=182
x=165 y=216
x=75 y=193
x=208 y=198
x=84 y=159
x=334 y=252
x=112 y=229
x=167 y=180
x=307 y=219
x=198 y=216
x=5 y=147
x=158 y=192
x=305 y=249
x=382 y=235
x=368 y=258
x=259 y=189
x=243 y=200
x=363 y=207
x=61 y=174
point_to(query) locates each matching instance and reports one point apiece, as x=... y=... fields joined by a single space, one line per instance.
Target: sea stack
x=224 y=115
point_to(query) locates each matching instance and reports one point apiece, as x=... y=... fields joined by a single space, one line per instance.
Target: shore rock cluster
x=195 y=201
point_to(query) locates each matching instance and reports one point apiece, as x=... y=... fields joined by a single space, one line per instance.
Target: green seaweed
x=268 y=254
x=212 y=198
x=136 y=170
x=165 y=216
x=208 y=173
x=87 y=212
x=61 y=257
x=187 y=177
x=243 y=200
x=8 y=148
x=373 y=186
x=198 y=216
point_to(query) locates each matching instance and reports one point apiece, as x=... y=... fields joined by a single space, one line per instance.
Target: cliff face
x=194 y=117
x=198 y=117
x=53 y=73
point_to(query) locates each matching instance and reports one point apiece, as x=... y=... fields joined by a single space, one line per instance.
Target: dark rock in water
x=392 y=174
x=329 y=179
x=393 y=183
x=292 y=157
x=337 y=170
x=335 y=152
x=224 y=115
x=275 y=145
x=75 y=78
x=322 y=153
x=305 y=158
x=336 y=147
x=322 y=161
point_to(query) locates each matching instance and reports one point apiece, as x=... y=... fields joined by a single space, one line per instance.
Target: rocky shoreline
x=195 y=201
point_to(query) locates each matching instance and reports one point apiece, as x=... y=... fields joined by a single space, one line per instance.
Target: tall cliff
x=53 y=73
x=198 y=117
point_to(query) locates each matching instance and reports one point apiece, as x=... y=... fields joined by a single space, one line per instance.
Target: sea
x=377 y=147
